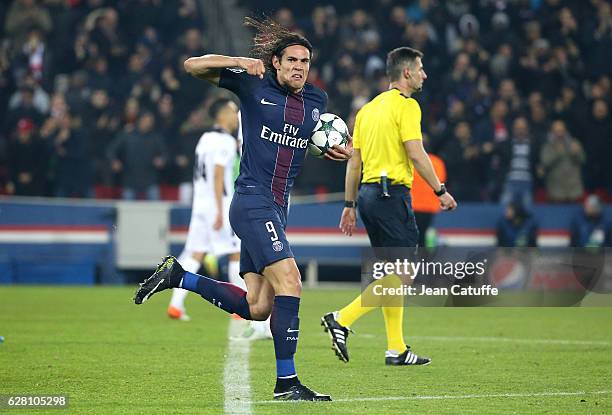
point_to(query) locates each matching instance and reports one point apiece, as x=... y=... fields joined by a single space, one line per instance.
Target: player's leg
x=284 y=277
x=260 y=225
x=260 y=296
x=399 y=229
x=190 y=261
x=228 y=297
x=337 y=324
x=225 y=241
x=170 y=274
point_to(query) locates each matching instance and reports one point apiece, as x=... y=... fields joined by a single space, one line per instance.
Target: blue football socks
x=285 y=326
x=226 y=296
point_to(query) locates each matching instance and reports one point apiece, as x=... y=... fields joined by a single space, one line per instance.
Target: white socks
x=233 y=275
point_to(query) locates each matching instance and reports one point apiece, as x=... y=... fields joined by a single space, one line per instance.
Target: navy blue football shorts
x=260 y=224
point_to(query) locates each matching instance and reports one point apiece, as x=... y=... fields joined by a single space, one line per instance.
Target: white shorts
x=203 y=238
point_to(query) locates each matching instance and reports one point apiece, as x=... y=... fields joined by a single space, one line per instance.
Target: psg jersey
x=276 y=125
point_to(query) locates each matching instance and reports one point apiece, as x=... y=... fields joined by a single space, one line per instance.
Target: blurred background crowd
x=94 y=101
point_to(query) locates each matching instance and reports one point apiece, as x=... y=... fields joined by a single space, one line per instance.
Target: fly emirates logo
x=287 y=138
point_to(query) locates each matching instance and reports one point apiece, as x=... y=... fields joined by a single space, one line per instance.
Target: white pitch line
x=501 y=339
x=472 y=396
x=236 y=372
x=516 y=340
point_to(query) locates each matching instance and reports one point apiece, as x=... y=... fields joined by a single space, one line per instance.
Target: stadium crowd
x=93 y=95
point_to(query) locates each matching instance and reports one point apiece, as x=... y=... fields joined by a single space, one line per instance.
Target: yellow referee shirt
x=381 y=128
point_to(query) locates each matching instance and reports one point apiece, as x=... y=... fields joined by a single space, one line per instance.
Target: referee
x=388 y=147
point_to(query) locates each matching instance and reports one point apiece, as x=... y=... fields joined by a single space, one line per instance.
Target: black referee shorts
x=389 y=221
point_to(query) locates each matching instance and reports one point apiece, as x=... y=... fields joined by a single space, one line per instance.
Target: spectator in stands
x=599 y=40
x=352 y=33
x=395 y=28
x=147 y=90
x=134 y=73
x=28 y=161
x=569 y=107
x=188 y=15
x=501 y=62
x=139 y=156
x=509 y=95
x=495 y=128
x=166 y=118
x=101 y=122
x=538 y=114
x=183 y=147
x=517 y=227
x=598 y=134
x=461 y=82
x=322 y=30
x=40 y=98
x=131 y=111
x=284 y=17
x=98 y=76
x=561 y=161
x=518 y=159
x=24 y=108
x=78 y=90
x=59 y=108
x=34 y=59
x=108 y=36
x=463 y=158
x=589 y=227
x=169 y=81
x=24 y=15
x=71 y=164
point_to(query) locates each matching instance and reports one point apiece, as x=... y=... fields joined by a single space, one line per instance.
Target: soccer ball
x=329 y=131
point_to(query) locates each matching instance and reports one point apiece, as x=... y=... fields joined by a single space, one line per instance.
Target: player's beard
x=295 y=84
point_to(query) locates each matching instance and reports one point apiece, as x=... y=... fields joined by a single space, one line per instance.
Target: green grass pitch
x=112 y=357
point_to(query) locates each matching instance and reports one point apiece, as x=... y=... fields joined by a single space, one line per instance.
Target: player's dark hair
x=398 y=59
x=271 y=39
x=216 y=107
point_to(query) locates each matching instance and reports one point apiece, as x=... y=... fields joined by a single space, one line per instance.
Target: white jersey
x=215 y=148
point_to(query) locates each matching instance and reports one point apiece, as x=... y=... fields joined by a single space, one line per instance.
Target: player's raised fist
x=252 y=66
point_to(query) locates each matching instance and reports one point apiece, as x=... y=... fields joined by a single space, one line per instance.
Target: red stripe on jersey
x=294 y=109
x=284 y=157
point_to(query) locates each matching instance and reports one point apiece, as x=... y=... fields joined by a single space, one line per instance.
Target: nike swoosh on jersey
x=263 y=101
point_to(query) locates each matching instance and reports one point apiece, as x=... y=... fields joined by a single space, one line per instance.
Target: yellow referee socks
x=394 y=318
x=352 y=312
x=370 y=299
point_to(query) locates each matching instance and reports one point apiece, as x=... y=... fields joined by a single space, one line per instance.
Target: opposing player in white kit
x=209 y=227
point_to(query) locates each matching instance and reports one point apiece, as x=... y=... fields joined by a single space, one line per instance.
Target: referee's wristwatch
x=350 y=204
x=441 y=191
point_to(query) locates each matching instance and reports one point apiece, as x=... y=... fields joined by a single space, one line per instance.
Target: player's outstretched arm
x=208 y=67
